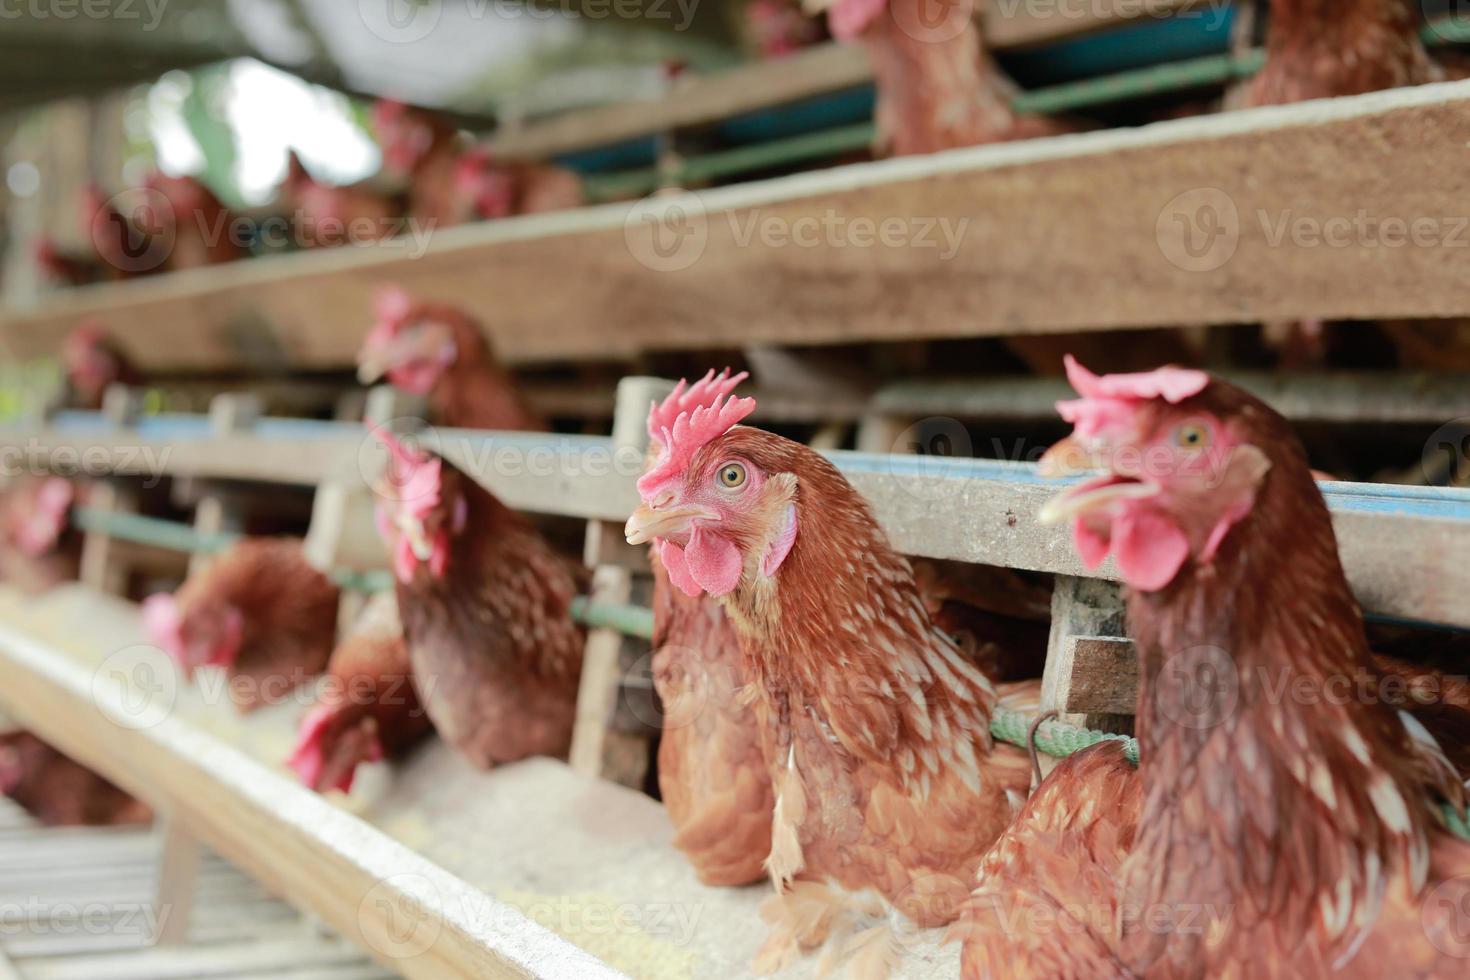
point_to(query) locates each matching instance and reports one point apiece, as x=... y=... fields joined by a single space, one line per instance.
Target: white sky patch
x=270 y=112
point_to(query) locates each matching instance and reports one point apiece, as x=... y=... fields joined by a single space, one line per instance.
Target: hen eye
x=1191 y=435
x=732 y=476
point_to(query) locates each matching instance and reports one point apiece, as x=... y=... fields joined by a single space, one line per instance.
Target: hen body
x=937 y=86
x=495 y=654
x=59 y=792
x=368 y=708
x=1319 y=49
x=712 y=773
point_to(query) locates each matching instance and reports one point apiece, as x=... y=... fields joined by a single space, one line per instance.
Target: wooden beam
x=1082 y=232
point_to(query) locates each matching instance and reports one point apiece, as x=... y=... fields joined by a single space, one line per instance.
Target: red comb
x=1109 y=400
x=688 y=419
x=686 y=397
x=307 y=759
x=416 y=477
x=1173 y=384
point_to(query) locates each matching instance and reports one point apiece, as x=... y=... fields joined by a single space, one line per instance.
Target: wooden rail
x=360 y=881
x=1200 y=220
x=964 y=509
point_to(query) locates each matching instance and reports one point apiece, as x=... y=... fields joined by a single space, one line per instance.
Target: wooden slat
x=354 y=877
x=1073 y=233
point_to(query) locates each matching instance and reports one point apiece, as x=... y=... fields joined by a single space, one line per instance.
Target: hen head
x=406 y=135
x=38 y=526
x=91 y=364
x=422 y=506
x=207 y=632
x=1184 y=459
x=715 y=503
x=331 y=744
x=411 y=344
x=482 y=188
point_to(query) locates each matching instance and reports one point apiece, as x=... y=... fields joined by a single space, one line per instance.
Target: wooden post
x=229 y=414
x=102 y=565
x=386 y=403
x=612 y=561
x=879 y=433
x=1085 y=654
x=178 y=874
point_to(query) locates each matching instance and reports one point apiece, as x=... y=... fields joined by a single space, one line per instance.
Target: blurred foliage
x=204 y=115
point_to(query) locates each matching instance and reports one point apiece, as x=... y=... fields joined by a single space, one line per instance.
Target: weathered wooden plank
x=1312 y=210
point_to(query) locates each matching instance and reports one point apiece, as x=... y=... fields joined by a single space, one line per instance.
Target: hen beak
x=1068 y=458
x=1071 y=457
x=418 y=537
x=1089 y=497
x=648 y=523
x=412 y=344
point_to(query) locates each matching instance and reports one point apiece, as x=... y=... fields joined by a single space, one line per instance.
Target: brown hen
x=259 y=611
x=435 y=350
x=486 y=610
x=875 y=728
x=1284 y=830
x=937 y=86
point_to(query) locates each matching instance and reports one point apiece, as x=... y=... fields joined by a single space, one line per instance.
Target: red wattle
x=714 y=562
x=1150 y=548
x=674 y=563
